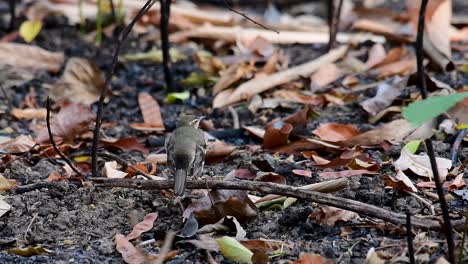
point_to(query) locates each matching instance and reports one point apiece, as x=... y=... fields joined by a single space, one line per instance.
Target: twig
x=166 y=247
x=54 y=145
x=422 y=200
x=110 y=73
x=457 y=143
x=42 y=185
x=21 y=155
x=29 y=226
x=430 y=150
x=113 y=14
x=165 y=46
x=12 y=4
x=284 y=190
x=334 y=22
x=330 y=15
x=248 y=18
x=235 y=117
x=409 y=238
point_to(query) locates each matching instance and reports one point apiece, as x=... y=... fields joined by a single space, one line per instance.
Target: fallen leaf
x=299 y=97
x=172 y=98
x=276 y=134
x=218 y=150
x=30 y=57
x=305 y=173
x=420 y=164
x=72 y=120
x=331 y=215
x=4 y=207
x=151 y=112
x=227 y=224
x=324 y=76
x=129 y=253
x=29 y=30
x=143 y=226
x=457 y=183
x=29 y=113
x=270 y=177
x=400 y=182
x=233 y=250
x=402 y=68
x=390 y=29
x=222 y=203
x=127 y=143
x=335 y=132
x=233 y=74
x=81 y=82
x=110 y=170
x=387 y=92
x=309 y=258
x=393 y=55
x=29 y=251
x=13 y=76
x=376 y=55
x=20 y=144
x=6 y=184
x=344 y=173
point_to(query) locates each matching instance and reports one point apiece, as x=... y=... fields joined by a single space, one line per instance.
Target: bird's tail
x=179 y=185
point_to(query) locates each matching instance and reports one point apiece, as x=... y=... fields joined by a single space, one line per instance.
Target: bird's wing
x=199 y=161
x=169 y=144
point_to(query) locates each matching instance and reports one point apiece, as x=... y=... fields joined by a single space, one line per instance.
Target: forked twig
x=104 y=90
x=54 y=145
x=428 y=142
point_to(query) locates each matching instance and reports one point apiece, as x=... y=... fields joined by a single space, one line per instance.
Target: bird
x=186 y=150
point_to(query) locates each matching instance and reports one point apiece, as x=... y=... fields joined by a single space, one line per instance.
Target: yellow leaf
x=30 y=29
x=233 y=250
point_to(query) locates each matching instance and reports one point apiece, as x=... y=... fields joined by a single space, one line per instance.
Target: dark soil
x=78 y=224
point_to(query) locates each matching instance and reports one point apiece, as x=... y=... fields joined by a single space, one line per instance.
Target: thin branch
x=409 y=237
x=430 y=150
x=113 y=13
x=165 y=46
x=330 y=16
x=235 y=117
x=54 y=145
x=104 y=91
x=248 y=18
x=283 y=190
x=12 y=5
x=457 y=143
x=124 y=163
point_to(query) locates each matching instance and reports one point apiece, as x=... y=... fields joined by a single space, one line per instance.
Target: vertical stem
x=409 y=238
x=330 y=13
x=113 y=14
x=12 y=4
x=430 y=150
x=99 y=23
x=165 y=13
x=110 y=73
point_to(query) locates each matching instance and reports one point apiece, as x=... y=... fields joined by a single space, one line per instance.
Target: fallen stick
x=233 y=34
x=284 y=190
x=261 y=84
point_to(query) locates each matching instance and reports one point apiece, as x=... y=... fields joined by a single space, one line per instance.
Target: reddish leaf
x=21 y=143
x=345 y=173
x=335 y=132
x=305 y=173
x=309 y=258
x=143 y=226
x=245 y=174
x=276 y=134
x=331 y=215
x=128 y=143
x=71 y=121
x=271 y=177
x=129 y=253
x=151 y=114
x=218 y=150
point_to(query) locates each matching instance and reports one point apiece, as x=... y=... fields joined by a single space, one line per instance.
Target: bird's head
x=189 y=120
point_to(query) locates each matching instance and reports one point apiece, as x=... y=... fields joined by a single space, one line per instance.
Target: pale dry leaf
x=233 y=74
x=331 y=215
x=6 y=184
x=14 y=76
x=110 y=170
x=324 y=76
x=457 y=183
x=421 y=165
x=400 y=182
x=129 y=253
x=335 y=132
x=29 y=113
x=151 y=112
x=438 y=27
x=143 y=226
x=376 y=55
x=20 y=144
x=4 y=207
x=387 y=92
x=81 y=82
x=30 y=57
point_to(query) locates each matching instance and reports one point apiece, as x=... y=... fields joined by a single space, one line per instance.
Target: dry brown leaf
x=324 y=76
x=403 y=67
x=305 y=173
x=390 y=29
x=29 y=113
x=259 y=45
x=393 y=55
x=309 y=258
x=81 y=82
x=458 y=112
x=396 y=130
x=299 y=97
x=143 y=226
x=128 y=143
x=276 y=134
x=331 y=215
x=457 y=183
x=157 y=158
x=72 y=120
x=400 y=182
x=218 y=150
x=270 y=177
x=420 y=164
x=151 y=112
x=335 y=132
x=233 y=74
x=258 y=85
x=376 y=55
x=6 y=184
x=30 y=57
x=344 y=173
x=130 y=254
x=20 y=144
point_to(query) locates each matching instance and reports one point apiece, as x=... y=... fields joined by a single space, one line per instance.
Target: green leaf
x=233 y=250
x=173 y=97
x=195 y=79
x=154 y=55
x=419 y=112
x=413 y=146
x=30 y=29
